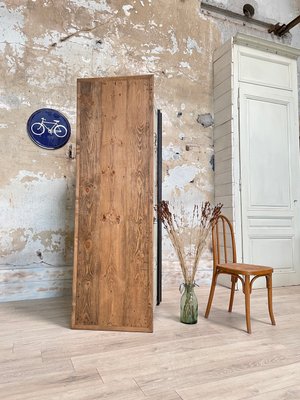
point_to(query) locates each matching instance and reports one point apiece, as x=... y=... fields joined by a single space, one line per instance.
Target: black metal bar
x=280 y=30
x=231 y=14
x=293 y=23
x=159 y=199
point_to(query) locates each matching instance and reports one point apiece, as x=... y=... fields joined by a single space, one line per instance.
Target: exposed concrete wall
x=44 y=47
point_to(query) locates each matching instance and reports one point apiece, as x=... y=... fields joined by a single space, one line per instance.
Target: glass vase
x=189 y=305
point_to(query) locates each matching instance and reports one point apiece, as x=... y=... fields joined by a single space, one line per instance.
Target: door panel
x=269 y=169
x=267 y=249
x=113 y=271
x=259 y=67
x=269 y=182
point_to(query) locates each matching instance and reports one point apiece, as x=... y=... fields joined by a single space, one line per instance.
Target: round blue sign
x=48 y=128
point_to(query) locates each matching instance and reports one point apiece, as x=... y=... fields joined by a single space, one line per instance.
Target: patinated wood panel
x=112 y=281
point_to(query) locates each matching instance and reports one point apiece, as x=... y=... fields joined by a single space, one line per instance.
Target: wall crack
x=79 y=31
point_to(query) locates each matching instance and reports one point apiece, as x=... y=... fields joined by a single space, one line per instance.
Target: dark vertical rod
x=159 y=199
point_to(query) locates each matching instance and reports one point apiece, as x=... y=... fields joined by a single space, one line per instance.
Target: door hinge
x=240 y=185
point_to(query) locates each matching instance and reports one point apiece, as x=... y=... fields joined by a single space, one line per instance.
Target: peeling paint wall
x=44 y=47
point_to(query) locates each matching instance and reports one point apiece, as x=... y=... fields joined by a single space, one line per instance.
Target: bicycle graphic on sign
x=39 y=128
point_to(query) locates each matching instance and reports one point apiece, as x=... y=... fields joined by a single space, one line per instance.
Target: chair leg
x=270 y=303
x=233 y=283
x=211 y=294
x=247 y=302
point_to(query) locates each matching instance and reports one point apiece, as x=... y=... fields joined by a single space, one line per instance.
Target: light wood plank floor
x=41 y=358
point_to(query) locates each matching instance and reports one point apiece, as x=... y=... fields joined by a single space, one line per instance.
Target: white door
x=269 y=159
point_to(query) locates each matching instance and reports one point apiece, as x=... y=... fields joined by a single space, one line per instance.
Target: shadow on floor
x=55 y=310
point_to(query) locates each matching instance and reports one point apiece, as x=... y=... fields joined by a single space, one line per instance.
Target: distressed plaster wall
x=44 y=47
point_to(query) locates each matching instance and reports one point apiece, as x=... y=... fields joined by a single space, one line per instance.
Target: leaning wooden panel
x=113 y=264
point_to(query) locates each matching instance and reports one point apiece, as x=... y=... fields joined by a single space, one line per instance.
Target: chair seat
x=244 y=269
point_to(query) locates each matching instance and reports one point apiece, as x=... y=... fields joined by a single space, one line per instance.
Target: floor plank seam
x=179 y=395
x=139 y=387
x=100 y=376
x=74 y=369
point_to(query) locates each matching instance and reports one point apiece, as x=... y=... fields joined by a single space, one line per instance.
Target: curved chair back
x=223 y=242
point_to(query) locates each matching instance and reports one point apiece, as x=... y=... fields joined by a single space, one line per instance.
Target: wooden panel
x=271 y=222
x=223 y=190
x=223 y=112
x=223 y=166
x=223 y=61
x=221 y=51
x=222 y=75
x=223 y=101
x=223 y=142
x=223 y=116
x=222 y=178
x=227 y=201
x=267 y=248
x=264 y=69
x=221 y=130
x=112 y=286
x=223 y=155
x=223 y=87
x=228 y=211
x=268 y=137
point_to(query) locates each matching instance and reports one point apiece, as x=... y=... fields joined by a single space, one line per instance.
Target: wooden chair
x=243 y=272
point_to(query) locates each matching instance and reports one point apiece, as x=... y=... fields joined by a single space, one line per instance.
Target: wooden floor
x=41 y=358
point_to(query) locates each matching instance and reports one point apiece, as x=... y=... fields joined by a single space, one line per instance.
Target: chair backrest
x=223 y=241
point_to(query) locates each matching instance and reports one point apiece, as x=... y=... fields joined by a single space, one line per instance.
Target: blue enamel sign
x=48 y=128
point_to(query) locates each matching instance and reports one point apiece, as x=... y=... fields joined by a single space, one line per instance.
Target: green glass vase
x=189 y=305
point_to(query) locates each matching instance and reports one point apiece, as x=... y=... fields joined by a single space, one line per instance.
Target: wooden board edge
x=76 y=224
x=114 y=329
x=151 y=213
x=116 y=78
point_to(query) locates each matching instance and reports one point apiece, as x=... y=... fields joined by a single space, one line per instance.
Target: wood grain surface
x=113 y=271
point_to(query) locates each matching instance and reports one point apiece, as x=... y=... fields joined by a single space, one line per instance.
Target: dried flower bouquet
x=189 y=255
x=201 y=222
